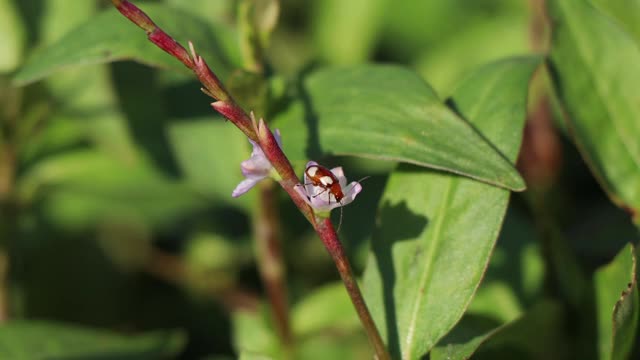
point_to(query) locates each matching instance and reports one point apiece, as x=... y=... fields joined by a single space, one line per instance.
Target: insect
x=322 y=177
x=328 y=182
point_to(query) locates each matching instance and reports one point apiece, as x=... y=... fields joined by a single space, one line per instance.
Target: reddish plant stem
x=270 y=260
x=329 y=237
x=265 y=138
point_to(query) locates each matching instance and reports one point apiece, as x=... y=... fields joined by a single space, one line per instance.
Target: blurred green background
x=115 y=179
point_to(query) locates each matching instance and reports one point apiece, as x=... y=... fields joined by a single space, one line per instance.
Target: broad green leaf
x=537 y=333
x=513 y=279
x=618 y=305
x=111 y=37
x=627 y=12
x=436 y=231
x=388 y=112
x=12 y=36
x=46 y=340
x=345 y=32
x=600 y=95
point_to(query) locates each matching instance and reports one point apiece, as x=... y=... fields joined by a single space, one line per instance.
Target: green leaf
x=109 y=37
x=388 y=112
x=538 y=333
x=513 y=279
x=618 y=305
x=436 y=231
x=47 y=340
x=627 y=12
x=600 y=95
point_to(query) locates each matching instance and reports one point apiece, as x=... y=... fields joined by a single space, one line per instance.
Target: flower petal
x=339 y=173
x=244 y=186
x=350 y=192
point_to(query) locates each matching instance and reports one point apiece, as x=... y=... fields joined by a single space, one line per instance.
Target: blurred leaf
x=538 y=334
x=515 y=275
x=210 y=263
x=472 y=47
x=44 y=340
x=109 y=36
x=387 y=112
x=209 y=10
x=209 y=152
x=345 y=32
x=627 y=12
x=334 y=345
x=436 y=231
x=617 y=313
x=326 y=309
x=82 y=187
x=599 y=93
x=80 y=94
x=253 y=337
x=413 y=26
x=12 y=36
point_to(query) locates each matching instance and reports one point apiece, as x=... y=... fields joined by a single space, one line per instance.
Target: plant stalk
x=260 y=133
x=270 y=262
x=329 y=237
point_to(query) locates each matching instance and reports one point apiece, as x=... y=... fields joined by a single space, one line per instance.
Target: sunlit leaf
x=600 y=95
x=618 y=306
x=111 y=37
x=389 y=113
x=436 y=231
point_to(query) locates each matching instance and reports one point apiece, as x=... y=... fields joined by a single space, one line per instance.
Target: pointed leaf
x=436 y=231
x=596 y=73
x=618 y=306
x=46 y=340
x=388 y=112
x=538 y=332
x=111 y=37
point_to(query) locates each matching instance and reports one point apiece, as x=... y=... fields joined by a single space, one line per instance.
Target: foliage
x=499 y=218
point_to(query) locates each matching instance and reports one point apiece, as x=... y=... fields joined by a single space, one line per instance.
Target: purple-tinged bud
x=168 y=44
x=237 y=116
x=207 y=77
x=134 y=14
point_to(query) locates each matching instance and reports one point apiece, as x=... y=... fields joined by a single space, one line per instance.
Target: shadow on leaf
x=396 y=223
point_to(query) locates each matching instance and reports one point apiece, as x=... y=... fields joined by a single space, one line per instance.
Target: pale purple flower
x=321 y=198
x=256 y=168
